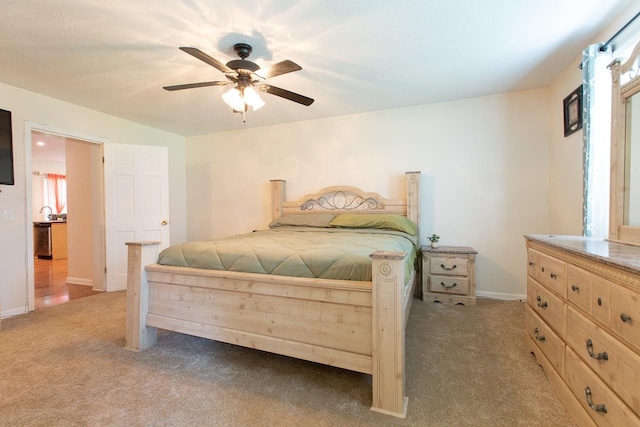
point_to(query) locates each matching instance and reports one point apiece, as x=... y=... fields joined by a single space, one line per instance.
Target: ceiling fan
x=245 y=75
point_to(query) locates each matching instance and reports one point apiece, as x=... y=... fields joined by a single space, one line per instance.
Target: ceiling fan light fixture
x=233 y=99
x=252 y=98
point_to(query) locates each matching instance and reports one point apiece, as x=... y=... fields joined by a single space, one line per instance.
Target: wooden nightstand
x=448 y=274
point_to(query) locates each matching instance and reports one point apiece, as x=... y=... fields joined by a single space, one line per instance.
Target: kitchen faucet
x=47 y=207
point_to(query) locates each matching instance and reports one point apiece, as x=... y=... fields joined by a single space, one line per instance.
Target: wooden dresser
x=582 y=322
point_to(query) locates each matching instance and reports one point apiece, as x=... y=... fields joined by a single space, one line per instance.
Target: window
x=54 y=193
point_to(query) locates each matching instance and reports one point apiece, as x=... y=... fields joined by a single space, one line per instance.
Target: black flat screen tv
x=6 y=149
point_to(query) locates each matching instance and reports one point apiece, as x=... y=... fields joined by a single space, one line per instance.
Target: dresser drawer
x=547 y=340
x=533 y=264
x=553 y=274
x=600 y=299
x=449 y=285
x=548 y=306
x=595 y=396
x=450 y=265
x=613 y=362
x=579 y=287
x=625 y=314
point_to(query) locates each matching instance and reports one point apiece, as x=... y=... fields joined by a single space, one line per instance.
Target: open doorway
x=71 y=225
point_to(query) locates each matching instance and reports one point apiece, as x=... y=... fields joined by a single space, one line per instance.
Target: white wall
x=80 y=157
x=15 y=222
x=565 y=158
x=565 y=154
x=484 y=164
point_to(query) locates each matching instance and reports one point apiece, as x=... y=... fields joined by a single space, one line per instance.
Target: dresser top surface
x=612 y=253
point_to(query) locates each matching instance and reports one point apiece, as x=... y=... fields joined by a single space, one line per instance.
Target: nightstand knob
x=448 y=268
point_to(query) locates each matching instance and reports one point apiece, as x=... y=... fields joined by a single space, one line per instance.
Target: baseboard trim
x=13 y=312
x=501 y=296
x=79 y=281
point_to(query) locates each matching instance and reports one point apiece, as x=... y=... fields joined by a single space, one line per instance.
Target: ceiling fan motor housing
x=243 y=64
x=243 y=50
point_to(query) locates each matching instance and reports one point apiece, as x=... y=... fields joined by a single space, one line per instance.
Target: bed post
x=388 y=370
x=413 y=198
x=278 y=196
x=138 y=336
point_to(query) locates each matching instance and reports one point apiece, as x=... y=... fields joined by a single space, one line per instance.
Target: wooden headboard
x=342 y=199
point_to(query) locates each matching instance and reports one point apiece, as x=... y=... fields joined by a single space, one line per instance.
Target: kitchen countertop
x=611 y=253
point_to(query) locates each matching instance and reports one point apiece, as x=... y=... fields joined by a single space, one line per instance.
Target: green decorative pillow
x=383 y=221
x=304 y=220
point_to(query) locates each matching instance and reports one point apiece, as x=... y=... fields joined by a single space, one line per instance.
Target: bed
x=352 y=324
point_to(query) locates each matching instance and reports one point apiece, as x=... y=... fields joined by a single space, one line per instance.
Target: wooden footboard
x=353 y=325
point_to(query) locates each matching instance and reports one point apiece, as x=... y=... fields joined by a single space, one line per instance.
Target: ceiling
x=356 y=55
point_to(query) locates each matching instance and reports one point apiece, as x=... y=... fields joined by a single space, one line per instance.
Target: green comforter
x=294 y=251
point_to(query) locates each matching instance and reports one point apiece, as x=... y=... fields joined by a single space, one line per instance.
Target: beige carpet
x=65 y=366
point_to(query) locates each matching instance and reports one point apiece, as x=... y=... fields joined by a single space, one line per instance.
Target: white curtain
x=596 y=79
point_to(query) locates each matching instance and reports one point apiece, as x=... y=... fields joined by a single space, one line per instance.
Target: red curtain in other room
x=57 y=192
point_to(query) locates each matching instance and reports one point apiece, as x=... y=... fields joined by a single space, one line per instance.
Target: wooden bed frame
x=354 y=325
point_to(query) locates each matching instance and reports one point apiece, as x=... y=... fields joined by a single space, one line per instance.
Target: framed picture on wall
x=6 y=149
x=573 y=112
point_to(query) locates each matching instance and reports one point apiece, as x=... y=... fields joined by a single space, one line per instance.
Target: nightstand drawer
x=449 y=266
x=449 y=285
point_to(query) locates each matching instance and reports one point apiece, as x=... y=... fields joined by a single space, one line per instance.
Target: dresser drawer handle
x=448 y=287
x=553 y=276
x=599 y=356
x=575 y=288
x=598 y=408
x=531 y=264
x=448 y=268
x=625 y=317
x=540 y=338
x=540 y=303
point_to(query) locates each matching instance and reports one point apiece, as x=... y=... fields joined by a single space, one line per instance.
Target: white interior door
x=136 y=203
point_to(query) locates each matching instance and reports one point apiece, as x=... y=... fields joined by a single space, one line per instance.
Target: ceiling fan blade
x=206 y=58
x=194 y=85
x=277 y=69
x=291 y=96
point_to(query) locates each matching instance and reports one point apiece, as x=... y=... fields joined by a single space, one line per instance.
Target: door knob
x=164 y=222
